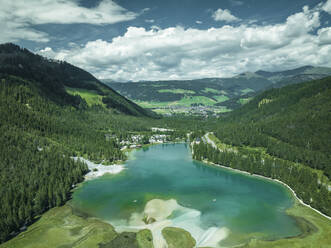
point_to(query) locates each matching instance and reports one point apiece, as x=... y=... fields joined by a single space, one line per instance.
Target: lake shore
x=208 y=140
x=98 y=170
x=270 y=179
x=315 y=226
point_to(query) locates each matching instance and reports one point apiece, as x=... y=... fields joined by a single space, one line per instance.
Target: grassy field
x=161 y=111
x=210 y=90
x=247 y=90
x=317 y=231
x=222 y=109
x=176 y=91
x=178 y=238
x=243 y=101
x=153 y=104
x=181 y=107
x=90 y=96
x=185 y=102
x=61 y=228
x=221 y=98
x=188 y=100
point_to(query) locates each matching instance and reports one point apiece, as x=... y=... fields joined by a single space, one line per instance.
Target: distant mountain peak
x=248 y=75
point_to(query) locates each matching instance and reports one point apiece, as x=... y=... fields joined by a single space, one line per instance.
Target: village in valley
x=157 y=136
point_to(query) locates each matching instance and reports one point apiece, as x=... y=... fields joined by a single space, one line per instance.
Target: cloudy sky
x=133 y=40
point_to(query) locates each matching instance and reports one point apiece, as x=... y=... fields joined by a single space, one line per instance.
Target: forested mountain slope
x=298 y=114
x=283 y=133
x=42 y=127
x=294 y=122
x=53 y=78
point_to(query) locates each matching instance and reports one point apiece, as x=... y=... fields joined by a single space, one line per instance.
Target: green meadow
x=246 y=91
x=90 y=96
x=211 y=90
x=244 y=101
x=177 y=91
x=62 y=227
x=221 y=98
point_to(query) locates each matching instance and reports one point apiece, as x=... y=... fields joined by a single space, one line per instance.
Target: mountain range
x=217 y=94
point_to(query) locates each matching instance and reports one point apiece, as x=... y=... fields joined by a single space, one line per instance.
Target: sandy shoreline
x=270 y=179
x=162 y=214
x=98 y=170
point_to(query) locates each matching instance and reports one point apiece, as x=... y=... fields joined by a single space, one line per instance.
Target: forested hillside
x=284 y=134
x=296 y=119
x=42 y=127
x=54 y=77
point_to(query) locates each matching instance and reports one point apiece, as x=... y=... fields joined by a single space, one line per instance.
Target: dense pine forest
x=284 y=134
x=293 y=123
x=38 y=139
x=42 y=127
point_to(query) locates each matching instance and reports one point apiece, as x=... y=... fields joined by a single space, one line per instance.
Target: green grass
x=210 y=90
x=317 y=231
x=164 y=108
x=222 y=109
x=221 y=98
x=185 y=102
x=125 y=239
x=188 y=100
x=60 y=228
x=162 y=111
x=90 y=96
x=244 y=101
x=247 y=90
x=153 y=104
x=176 y=91
x=145 y=239
x=178 y=238
x=154 y=85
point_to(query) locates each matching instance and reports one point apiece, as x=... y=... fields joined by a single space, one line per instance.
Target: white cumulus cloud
x=324 y=35
x=327 y=6
x=224 y=15
x=179 y=53
x=17 y=17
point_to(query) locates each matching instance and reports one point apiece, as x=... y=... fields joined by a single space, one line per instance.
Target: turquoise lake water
x=210 y=202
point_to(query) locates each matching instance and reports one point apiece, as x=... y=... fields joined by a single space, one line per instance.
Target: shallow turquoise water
x=241 y=203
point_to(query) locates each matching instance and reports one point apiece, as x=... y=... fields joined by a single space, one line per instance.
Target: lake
x=162 y=186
